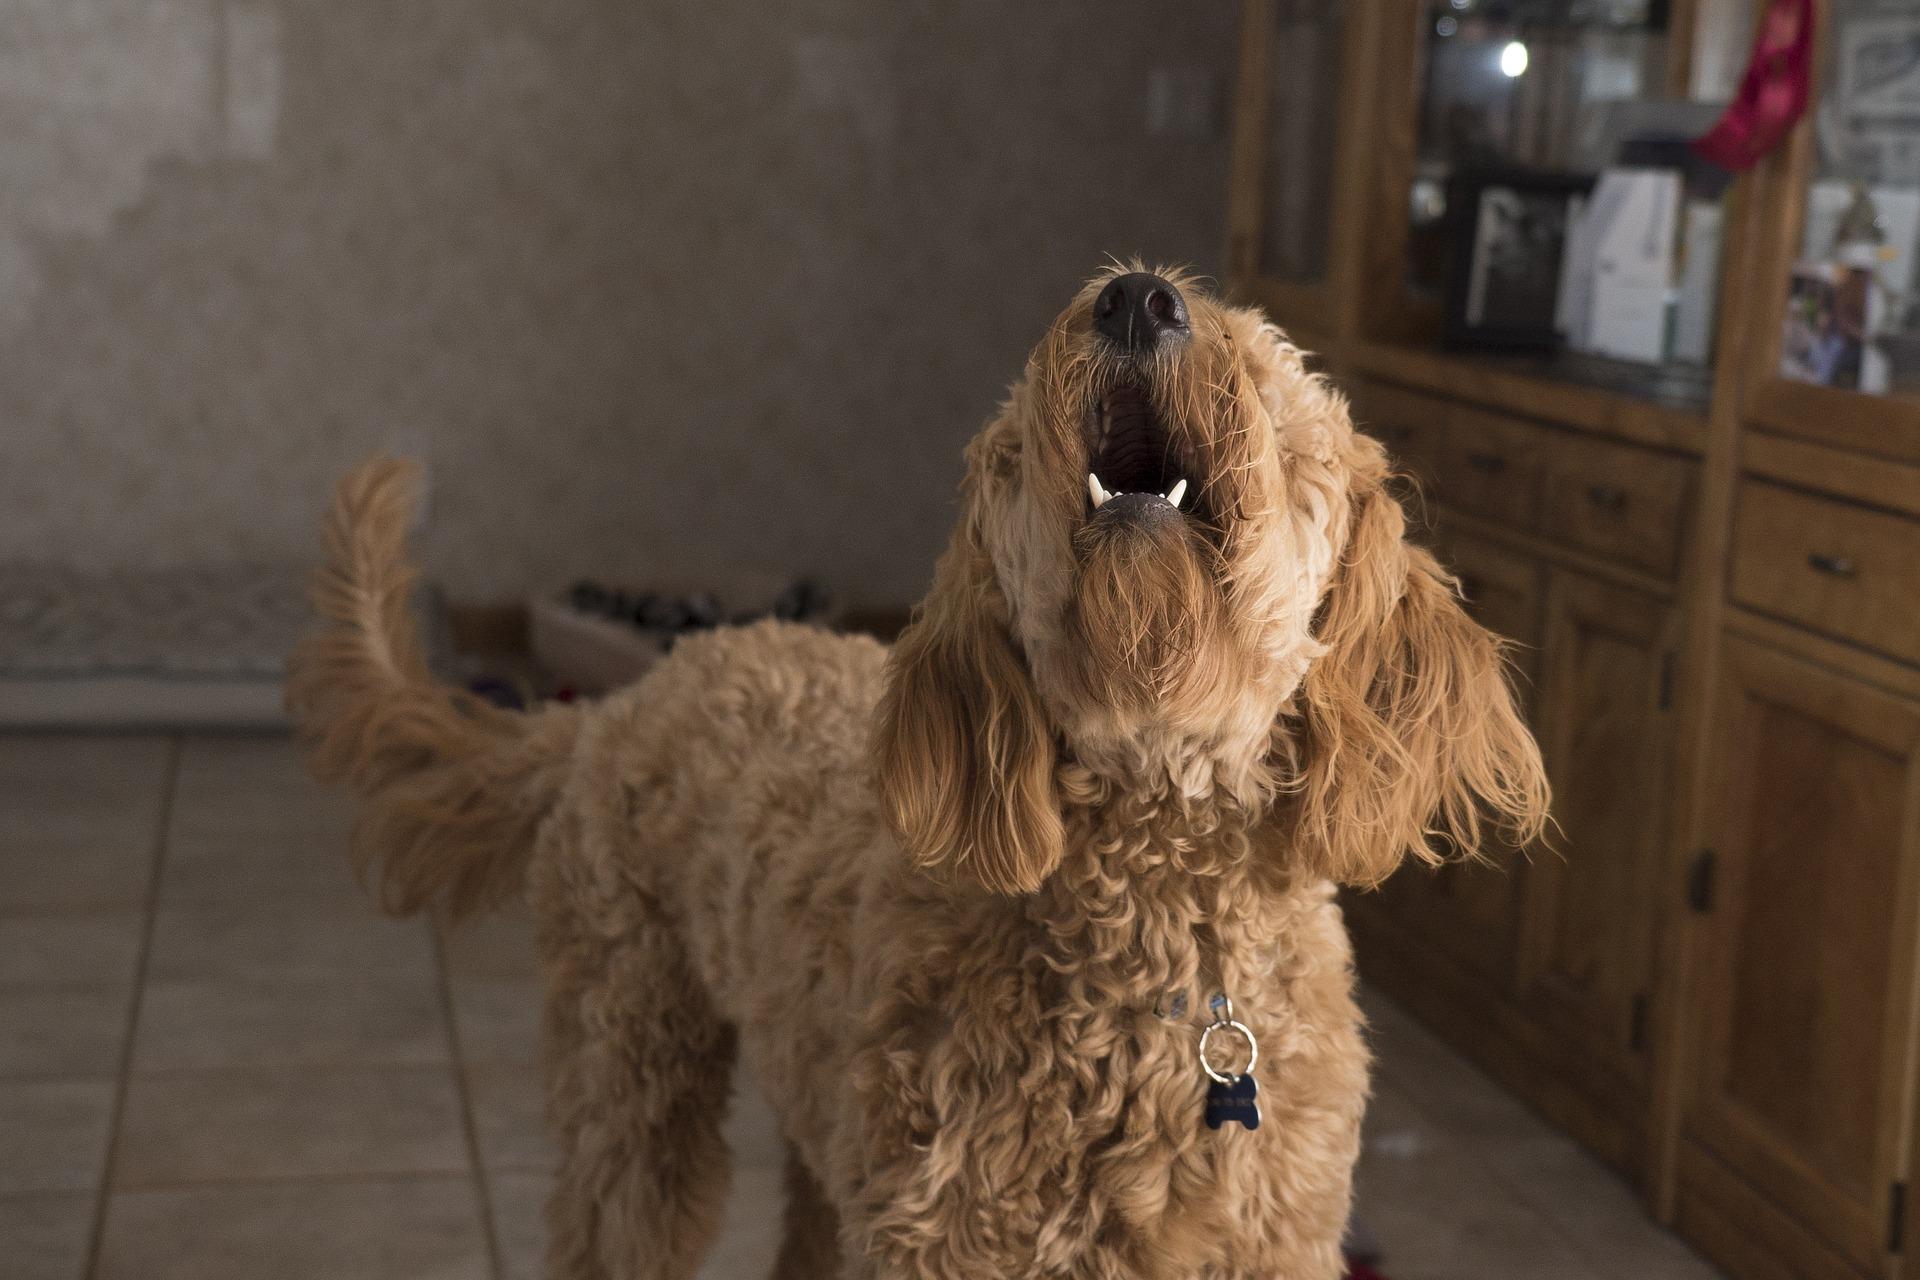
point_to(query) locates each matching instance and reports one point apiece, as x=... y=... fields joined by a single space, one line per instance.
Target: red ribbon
x=1773 y=91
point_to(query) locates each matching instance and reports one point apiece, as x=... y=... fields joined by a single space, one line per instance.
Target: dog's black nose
x=1139 y=311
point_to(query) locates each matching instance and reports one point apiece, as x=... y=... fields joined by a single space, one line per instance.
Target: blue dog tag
x=1236 y=1103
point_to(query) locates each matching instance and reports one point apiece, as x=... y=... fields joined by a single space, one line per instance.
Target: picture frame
x=1823 y=336
x=1866 y=116
x=1508 y=238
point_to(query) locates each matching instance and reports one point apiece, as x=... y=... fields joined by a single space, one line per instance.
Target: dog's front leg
x=810 y=1249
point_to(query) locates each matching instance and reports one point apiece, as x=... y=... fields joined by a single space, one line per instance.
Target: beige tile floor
x=216 y=1061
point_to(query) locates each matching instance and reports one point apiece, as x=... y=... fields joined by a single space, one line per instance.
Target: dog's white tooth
x=1098 y=494
x=1178 y=492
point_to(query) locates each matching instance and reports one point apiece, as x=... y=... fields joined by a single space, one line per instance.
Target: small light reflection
x=1446 y=26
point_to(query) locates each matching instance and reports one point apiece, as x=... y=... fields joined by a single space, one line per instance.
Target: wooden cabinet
x=1544 y=963
x=1710 y=973
x=1802 y=1079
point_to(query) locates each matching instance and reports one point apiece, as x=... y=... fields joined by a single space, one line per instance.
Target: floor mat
x=183 y=647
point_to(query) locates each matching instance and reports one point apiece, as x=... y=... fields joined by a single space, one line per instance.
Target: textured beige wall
x=654 y=287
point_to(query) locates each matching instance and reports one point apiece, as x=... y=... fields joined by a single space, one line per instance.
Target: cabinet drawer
x=1491 y=466
x=1502 y=589
x=1844 y=570
x=1624 y=503
x=1408 y=423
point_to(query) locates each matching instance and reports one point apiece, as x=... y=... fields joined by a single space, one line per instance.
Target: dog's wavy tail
x=454 y=788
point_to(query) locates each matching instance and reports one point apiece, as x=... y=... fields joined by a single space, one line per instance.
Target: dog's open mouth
x=1135 y=467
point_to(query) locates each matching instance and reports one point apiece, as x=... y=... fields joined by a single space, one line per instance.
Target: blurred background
x=688 y=310
x=646 y=285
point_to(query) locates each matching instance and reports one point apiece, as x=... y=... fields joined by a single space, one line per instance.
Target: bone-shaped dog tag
x=1236 y=1103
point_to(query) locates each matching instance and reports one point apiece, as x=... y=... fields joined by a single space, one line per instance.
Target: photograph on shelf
x=1510 y=238
x=1823 y=334
x=1864 y=236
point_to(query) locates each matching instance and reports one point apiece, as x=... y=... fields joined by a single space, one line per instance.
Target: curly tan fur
x=457 y=786
x=940 y=901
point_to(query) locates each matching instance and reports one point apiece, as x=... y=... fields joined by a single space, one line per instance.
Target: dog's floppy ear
x=966 y=755
x=1404 y=735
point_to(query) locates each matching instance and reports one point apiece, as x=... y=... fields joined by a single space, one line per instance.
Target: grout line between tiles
x=103 y=1192
x=469 y=1127
x=340 y=1177
x=303 y=1068
x=290 y=1064
x=59 y=1077
x=69 y=909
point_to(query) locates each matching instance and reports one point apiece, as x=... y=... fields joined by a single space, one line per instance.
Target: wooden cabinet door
x=1804 y=991
x=1588 y=951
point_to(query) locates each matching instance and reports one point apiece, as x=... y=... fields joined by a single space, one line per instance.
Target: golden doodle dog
x=972 y=910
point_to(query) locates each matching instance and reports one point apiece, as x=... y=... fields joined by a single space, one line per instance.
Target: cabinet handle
x=1837 y=566
x=1491 y=464
x=1700 y=881
x=1608 y=498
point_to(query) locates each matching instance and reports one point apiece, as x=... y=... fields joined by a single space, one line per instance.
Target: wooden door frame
x=1743 y=324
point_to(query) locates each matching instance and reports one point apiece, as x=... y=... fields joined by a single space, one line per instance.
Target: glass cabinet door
x=1536 y=193
x=1303 y=89
x=1852 y=315
x=1288 y=137
x=1536 y=85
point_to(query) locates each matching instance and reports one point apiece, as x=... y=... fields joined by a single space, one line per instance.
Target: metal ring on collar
x=1253 y=1052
